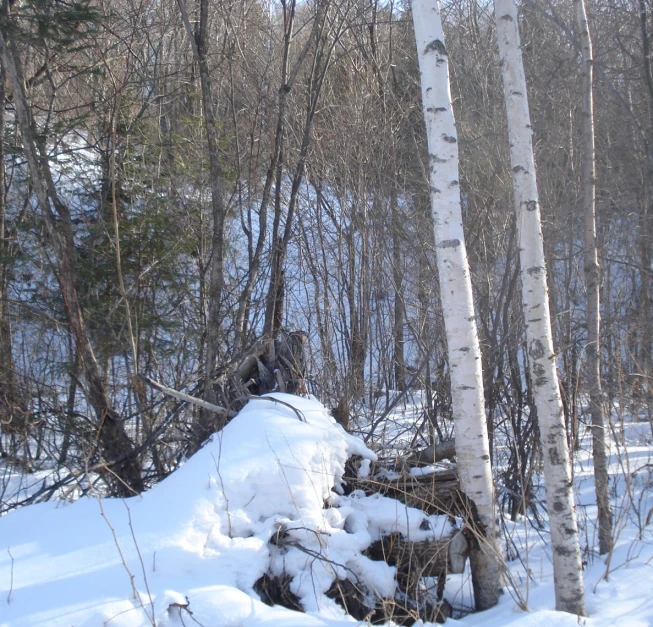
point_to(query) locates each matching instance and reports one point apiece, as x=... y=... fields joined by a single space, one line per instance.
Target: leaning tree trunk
x=464 y=353
x=123 y=471
x=591 y=262
x=567 y=566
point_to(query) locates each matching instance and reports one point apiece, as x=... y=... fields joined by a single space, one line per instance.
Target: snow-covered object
x=257 y=499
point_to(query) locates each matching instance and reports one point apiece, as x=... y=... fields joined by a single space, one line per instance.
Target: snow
x=618 y=587
x=264 y=497
x=202 y=536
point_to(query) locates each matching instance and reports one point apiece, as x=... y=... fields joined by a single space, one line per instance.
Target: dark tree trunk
x=209 y=422
x=123 y=472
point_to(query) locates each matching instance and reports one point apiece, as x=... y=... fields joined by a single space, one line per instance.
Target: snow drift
x=258 y=499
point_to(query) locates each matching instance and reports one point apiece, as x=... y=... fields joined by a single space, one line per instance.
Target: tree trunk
x=10 y=415
x=324 y=37
x=592 y=281
x=645 y=361
x=208 y=423
x=399 y=361
x=567 y=565
x=124 y=472
x=456 y=294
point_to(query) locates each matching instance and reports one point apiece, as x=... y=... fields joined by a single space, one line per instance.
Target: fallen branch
x=300 y=415
x=221 y=411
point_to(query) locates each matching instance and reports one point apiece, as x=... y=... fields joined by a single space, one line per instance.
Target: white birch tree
x=472 y=446
x=567 y=564
x=592 y=282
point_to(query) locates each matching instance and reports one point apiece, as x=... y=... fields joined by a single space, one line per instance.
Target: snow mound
x=258 y=499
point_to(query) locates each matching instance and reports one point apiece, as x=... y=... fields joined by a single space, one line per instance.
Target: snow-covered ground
x=259 y=499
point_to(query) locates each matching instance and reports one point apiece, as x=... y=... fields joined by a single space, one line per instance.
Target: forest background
x=181 y=234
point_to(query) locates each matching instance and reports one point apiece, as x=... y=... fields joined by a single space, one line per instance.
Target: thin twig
x=300 y=415
x=11 y=580
x=140 y=559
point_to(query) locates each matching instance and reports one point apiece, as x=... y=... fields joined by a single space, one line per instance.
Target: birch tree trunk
x=591 y=263
x=567 y=566
x=472 y=448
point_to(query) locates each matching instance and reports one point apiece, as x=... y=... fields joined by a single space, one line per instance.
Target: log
x=433 y=493
x=414 y=560
x=433 y=454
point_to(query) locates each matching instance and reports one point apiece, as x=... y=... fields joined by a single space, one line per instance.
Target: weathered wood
x=252 y=373
x=247 y=375
x=414 y=560
x=433 y=454
x=341 y=413
x=400 y=611
x=433 y=493
x=290 y=361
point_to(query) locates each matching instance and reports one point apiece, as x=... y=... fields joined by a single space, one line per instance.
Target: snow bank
x=257 y=499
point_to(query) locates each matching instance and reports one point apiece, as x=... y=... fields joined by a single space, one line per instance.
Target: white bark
x=557 y=470
x=472 y=447
x=592 y=281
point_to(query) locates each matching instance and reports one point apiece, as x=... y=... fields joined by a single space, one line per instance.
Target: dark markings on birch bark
x=540 y=374
x=436 y=46
x=536 y=350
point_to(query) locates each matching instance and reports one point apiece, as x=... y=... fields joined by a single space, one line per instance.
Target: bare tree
x=472 y=447
x=199 y=43
x=567 y=564
x=10 y=410
x=592 y=280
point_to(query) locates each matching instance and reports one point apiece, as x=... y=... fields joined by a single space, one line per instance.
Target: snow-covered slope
x=190 y=551
x=199 y=541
